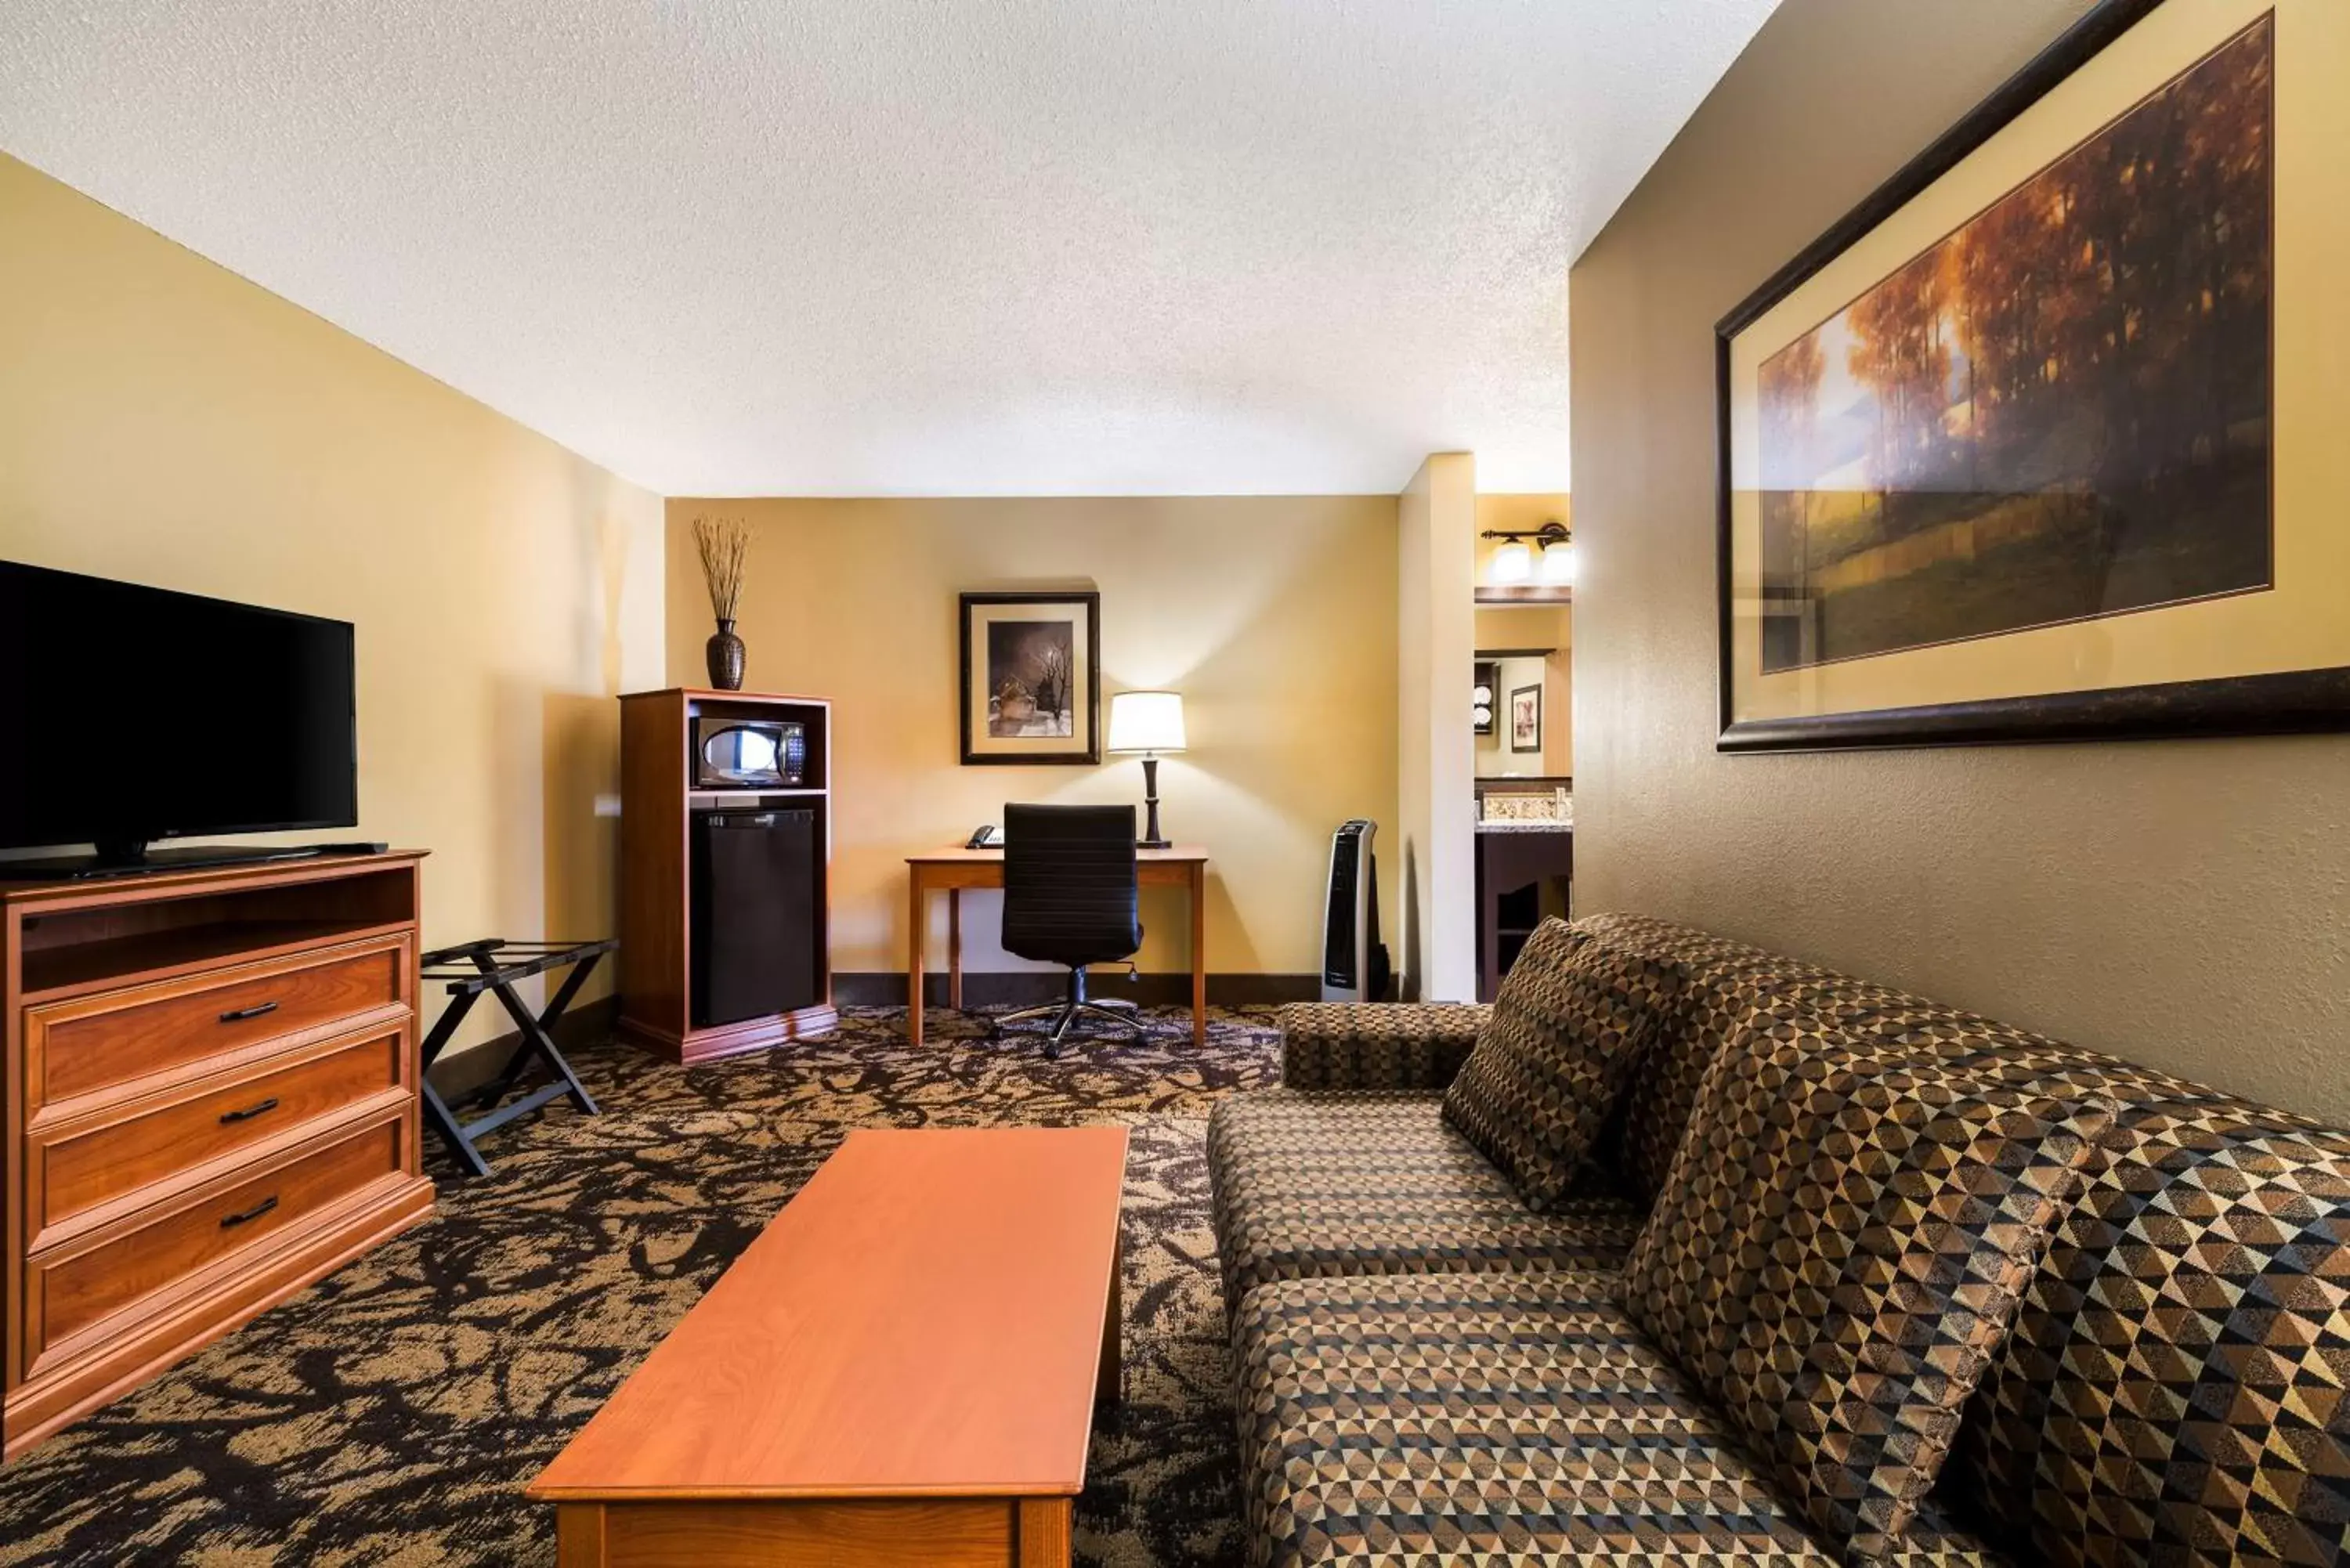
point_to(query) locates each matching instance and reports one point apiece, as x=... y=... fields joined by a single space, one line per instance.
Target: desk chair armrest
x=1377 y=1045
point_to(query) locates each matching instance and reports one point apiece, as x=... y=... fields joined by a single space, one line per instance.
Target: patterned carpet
x=393 y=1413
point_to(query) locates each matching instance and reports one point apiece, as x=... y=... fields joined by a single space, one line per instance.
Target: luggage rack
x=493 y=965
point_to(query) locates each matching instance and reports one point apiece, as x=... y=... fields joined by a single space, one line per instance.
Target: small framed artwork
x=2042 y=442
x=1525 y=719
x=1030 y=678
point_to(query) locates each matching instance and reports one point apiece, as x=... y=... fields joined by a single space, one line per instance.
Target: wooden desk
x=903 y=1367
x=953 y=870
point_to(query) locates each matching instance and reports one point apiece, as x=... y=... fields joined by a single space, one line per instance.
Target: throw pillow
x=1571 y=1019
x=1840 y=1251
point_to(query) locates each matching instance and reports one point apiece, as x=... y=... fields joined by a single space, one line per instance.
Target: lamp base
x=1150 y=838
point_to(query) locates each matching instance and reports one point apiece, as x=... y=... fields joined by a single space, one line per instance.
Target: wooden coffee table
x=902 y=1369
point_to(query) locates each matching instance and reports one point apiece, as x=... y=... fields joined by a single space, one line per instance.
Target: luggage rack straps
x=495 y=958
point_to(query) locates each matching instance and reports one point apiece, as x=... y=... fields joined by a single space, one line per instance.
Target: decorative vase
x=724 y=652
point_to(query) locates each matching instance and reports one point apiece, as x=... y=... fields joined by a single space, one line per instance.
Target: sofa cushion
x=1570 y=1022
x=1843 y=1240
x=1377 y=1044
x=1724 y=986
x=2176 y=1388
x=1490 y=1419
x=1360 y=1183
x=2169 y=1393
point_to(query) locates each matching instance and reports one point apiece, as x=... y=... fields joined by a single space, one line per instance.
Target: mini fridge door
x=756 y=891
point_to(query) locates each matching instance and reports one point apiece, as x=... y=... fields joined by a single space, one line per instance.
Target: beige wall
x=165 y=422
x=1528 y=626
x=1533 y=626
x=2181 y=903
x=1434 y=847
x=1275 y=618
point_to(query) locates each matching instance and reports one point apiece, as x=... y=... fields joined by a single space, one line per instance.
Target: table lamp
x=1147 y=722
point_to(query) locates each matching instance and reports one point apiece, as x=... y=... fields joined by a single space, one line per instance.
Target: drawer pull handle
x=229 y=1221
x=258 y=1009
x=249 y=1112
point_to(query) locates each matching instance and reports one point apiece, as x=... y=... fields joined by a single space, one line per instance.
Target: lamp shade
x=1512 y=564
x=1558 y=564
x=1146 y=721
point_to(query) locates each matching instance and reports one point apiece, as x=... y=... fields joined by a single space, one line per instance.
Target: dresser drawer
x=72 y=1287
x=106 y=1042
x=96 y=1160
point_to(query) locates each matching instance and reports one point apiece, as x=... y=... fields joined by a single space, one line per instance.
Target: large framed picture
x=1030 y=678
x=2047 y=439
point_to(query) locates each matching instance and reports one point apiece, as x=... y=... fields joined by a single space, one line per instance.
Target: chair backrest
x=1069 y=892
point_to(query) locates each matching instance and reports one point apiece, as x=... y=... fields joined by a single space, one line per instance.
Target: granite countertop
x=1566 y=824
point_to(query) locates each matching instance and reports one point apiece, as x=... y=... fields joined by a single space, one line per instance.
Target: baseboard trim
x=1033 y=988
x=463 y=1070
x=593 y=1022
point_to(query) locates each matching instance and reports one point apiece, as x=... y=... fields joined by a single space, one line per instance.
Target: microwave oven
x=749 y=753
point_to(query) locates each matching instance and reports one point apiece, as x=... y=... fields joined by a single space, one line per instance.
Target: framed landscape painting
x=2048 y=441
x=1030 y=678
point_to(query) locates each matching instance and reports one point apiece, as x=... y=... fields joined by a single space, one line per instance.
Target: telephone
x=989 y=836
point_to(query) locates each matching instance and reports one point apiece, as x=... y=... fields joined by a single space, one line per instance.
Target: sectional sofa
x=1430 y=1370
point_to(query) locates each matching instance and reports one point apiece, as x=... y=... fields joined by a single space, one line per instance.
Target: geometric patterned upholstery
x=1368 y=1182
x=1841 y=1248
x=1723 y=985
x=2171 y=1392
x=2174 y=1390
x=1429 y=1421
x=1570 y=1022
x=1377 y=1045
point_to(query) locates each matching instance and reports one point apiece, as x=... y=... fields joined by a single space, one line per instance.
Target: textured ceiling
x=909 y=246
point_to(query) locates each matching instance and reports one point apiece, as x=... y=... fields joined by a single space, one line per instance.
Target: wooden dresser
x=211 y=1085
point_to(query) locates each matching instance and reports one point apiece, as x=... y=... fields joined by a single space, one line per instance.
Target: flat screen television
x=129 y=714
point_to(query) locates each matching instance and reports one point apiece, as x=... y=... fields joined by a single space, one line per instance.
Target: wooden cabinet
x=1524 y=873
x=658 y=802
x=211 y=1085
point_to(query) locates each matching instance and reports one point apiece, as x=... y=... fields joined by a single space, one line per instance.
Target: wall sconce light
x=1559 y=562
x=1513 y=564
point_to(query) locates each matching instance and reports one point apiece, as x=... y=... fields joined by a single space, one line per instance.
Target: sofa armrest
x=1375 y=1044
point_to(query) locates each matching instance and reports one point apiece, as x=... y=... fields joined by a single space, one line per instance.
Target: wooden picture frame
x=2186 y=582
x=1030 y=691
x=1525 y=719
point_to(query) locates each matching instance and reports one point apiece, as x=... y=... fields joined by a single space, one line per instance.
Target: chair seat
x=1497 y=1418
x=1374 y=1182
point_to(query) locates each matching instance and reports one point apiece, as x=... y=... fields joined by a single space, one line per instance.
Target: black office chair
x=1070 y=896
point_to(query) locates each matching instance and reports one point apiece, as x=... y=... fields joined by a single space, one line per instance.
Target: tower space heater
x=1354 y=959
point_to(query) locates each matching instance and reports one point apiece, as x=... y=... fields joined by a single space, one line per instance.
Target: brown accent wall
x=2186 y=904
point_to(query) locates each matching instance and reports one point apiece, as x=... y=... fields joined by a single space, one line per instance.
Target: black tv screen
x=129 y=714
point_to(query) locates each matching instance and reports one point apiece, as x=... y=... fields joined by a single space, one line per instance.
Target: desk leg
x=914 y=923
x=1199 y=953
x=954 y=949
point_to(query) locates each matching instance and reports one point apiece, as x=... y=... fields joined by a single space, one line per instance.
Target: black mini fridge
x=756 y=893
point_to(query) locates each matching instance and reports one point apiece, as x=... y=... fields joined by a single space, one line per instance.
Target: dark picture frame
x=2302 y=700
x=1536 y=693
x=1036 y=660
